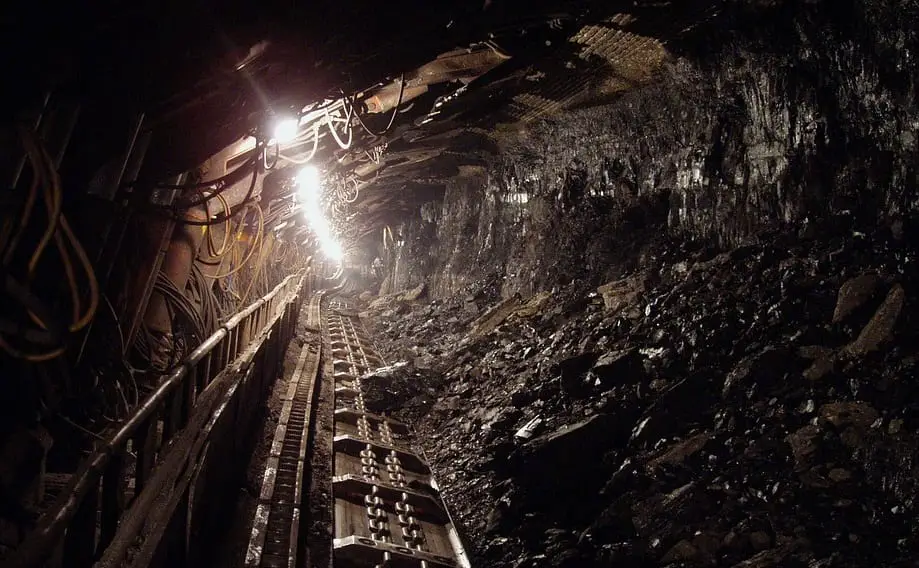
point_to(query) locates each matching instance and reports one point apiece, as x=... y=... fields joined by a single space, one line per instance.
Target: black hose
x=222 y=218
x=392 y=118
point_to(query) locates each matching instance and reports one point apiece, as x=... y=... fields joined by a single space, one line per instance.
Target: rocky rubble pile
x=756 y=407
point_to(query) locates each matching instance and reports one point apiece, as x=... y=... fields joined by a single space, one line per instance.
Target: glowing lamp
x=332 y=250
x=308 y=185
x=285 y=130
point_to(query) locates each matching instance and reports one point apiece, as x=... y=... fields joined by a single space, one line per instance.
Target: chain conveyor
x=387 y=507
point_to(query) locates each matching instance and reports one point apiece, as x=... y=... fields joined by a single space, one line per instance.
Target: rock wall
x=798 y=115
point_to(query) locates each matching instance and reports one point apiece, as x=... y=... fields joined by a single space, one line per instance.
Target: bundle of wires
x=227 y=298
x=255 y=243
x=190 y=326
x=222 y=294
x=202 y=294
x=19 y=279
x=185 y=314
x=109 y=389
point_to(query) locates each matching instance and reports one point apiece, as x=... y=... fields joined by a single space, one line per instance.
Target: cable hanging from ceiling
x=46 y=181
x=331 y=119
x=392 y=118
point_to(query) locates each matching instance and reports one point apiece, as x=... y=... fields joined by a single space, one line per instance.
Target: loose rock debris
x=752 y=408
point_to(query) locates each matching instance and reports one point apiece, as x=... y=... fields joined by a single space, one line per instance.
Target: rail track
x=386 y=506
x=275 y=538
x=155 y=492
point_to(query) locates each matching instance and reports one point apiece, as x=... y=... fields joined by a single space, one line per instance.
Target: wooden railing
x=140 y=489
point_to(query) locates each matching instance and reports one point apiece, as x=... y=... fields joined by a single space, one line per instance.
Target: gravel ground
x=747 y=408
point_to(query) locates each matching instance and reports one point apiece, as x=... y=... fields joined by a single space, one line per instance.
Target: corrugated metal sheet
x=616 y=60
x=631 y=56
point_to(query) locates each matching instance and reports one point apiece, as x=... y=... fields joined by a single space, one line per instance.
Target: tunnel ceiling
x=460 y=74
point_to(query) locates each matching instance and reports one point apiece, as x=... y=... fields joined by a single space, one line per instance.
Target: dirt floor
x=317 y=525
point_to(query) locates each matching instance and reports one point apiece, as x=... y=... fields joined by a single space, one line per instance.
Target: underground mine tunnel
x=452 y=284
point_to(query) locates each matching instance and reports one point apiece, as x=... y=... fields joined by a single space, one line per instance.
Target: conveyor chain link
x=364 y=443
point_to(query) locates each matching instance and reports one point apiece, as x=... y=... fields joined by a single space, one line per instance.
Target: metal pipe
x=160 y=229
x=177 y=267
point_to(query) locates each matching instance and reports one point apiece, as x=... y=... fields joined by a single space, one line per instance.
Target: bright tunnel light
x=309 y=186
x=285 y=129
x=333 y=250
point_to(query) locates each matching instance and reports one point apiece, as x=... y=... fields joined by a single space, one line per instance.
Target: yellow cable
x=71 y=279
x=90 y=276
x=37 y=178
x=258 y=234
x=53 y=200
x=227 y=228
x=260 y=265
x=35 y=358
x=206 y=230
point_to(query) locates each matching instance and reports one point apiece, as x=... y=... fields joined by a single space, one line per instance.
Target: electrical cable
x=251 y=250
x=39 y=172
x=170 y=292
x=90 y=275
x=277 y=156
x=212 y=249
x=259 y=264
x=223 y=181
x=247 y=200
x=45 y=174
x=304 y=161
x=392 y=118
x=201 y=292
x=26 y=213
x=71 y=278
x=347 y=121
x=53 y=198
x=221 y=184
x=54 y=202
x=32 y=357
x=357 y=191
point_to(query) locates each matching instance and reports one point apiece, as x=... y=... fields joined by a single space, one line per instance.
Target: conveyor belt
x=387 y=508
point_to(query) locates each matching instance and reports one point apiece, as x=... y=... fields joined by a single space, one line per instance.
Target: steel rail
x=274 y=540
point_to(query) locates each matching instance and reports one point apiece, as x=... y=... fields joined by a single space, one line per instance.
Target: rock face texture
x=679 y=329
x=798 y=113
x=705 y=410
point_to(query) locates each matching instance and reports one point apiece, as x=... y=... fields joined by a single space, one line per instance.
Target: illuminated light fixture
x=333 y=250
x=308 y=190
x=308 y=184
x=286 y=129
